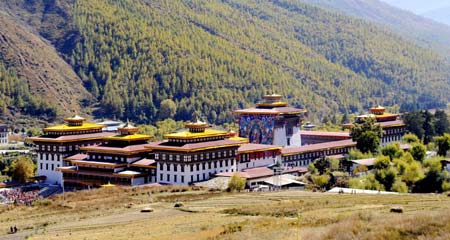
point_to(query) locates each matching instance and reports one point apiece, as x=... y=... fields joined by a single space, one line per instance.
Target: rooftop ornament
x=197 y=126
x=128 y=129
x=75 y=120
x=271 y=101
x=377 y=110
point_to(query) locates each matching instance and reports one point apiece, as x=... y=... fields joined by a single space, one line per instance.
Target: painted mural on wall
x=258 y=129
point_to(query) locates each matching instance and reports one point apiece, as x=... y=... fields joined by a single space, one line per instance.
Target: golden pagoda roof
x=129 y=137
x=68 y=128
x=75 y=118
x=196 y=124
x=128 y=129
x=272 y=104
x=378 y=107
x=272 y=96
x=195 y=135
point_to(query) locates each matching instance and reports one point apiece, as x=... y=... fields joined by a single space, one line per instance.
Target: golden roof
x=128 y=137
x=69 y=128
x=237 y=138
x=195 y=135
x=272 y=104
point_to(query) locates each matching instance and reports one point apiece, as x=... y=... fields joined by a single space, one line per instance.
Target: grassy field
x=115 y=214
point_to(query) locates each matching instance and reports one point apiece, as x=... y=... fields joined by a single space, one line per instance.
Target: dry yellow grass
x=105 y=214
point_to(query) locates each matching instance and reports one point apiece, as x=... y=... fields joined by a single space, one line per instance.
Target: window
x=182 y=179
x=289 y=130
x=175 y=178
x=160 y=177
x=288 y=141
x=46 y=166
x=41 y=167
x=168 y=177
x=160 y=167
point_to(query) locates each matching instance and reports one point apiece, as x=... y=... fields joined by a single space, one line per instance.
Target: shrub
x=410 y=138
x=399 y=186
x=237 y=183
x=321 y=180
x=446 y=186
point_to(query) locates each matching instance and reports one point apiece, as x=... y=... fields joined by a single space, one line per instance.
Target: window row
x=195 y=157
x=196 y=167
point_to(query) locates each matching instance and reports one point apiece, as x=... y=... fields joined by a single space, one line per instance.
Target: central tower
x=271 y=122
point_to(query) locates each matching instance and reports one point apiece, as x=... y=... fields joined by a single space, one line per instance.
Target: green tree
x=168 y=109
x=367 y=135
x=413 y=173
x=410 y=138
x=386 y=177
x=442 y=124
x=399 y=186
x=428 y=127
x=321 y=180
x=236 y=183
x=432 y=182
x=355 y=154
x=366 y=182
x=414 y=123
x=22 y=169
x=418 y=152
x=322 y=165
x=382 y=162
x=443 y=144
x=392 y=151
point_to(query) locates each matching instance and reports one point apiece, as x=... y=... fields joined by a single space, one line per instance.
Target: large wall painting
x=258 y=129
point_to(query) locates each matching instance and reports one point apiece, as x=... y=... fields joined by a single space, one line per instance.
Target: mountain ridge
x=423 y=31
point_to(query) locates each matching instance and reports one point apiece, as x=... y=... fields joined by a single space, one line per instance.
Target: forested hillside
x=423 y=31
x=216 y=56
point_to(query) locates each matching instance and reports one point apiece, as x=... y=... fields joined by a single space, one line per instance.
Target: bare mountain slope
x=37 y=62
